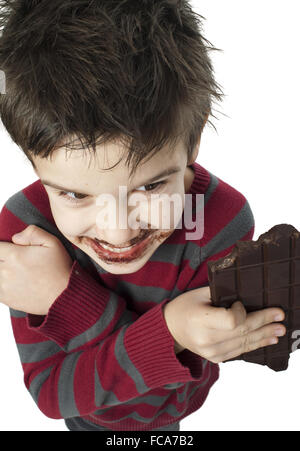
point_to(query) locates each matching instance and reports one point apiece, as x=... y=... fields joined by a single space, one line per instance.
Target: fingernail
x=279 y=332
x=278 y=318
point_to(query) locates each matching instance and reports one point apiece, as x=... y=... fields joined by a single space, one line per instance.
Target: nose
x=122 y=235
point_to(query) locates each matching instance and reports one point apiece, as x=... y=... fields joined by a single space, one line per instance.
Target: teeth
x=117 y=250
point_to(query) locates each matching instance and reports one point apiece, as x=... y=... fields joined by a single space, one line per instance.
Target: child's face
x=81 y=178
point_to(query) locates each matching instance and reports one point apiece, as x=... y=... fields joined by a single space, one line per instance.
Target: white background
x=256 y=151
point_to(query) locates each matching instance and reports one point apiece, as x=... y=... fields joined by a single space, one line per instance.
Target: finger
x=244 y=344
x=254 y=321
x=33 y=235
x=220 y=318
x=236 y=353
x=258 y=319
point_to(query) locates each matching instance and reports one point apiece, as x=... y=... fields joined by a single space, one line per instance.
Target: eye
x=77 y=197
x=154 y=186
x=65 y=195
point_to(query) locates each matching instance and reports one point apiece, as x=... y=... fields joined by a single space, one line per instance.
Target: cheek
x=69 y=222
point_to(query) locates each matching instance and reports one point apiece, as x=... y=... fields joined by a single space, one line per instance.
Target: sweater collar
x=201 y=179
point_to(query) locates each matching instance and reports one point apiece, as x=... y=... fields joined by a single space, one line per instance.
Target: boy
x=112 y=339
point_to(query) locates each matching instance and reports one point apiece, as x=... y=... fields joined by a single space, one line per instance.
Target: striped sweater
x=104 y=352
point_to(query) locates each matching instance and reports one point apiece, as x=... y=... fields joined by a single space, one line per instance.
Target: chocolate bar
x=261 y=274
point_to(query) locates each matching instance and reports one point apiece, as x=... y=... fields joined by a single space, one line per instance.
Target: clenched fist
x=34 y=271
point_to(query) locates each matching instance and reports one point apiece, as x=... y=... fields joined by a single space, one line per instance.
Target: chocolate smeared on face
x=141 y=247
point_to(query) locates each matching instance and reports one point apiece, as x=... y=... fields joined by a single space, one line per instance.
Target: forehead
x=105 y=168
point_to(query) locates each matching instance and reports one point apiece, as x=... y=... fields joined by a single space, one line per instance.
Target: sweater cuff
x=192 y=361
x=150 y=346
x=75 y=310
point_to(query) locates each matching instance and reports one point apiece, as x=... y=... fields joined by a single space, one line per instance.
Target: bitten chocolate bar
x=261 y=274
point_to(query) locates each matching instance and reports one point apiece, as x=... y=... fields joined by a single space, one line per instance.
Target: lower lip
x=121 y=257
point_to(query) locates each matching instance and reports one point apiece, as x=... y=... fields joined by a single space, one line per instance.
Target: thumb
x=220 y=317
x=32 y=236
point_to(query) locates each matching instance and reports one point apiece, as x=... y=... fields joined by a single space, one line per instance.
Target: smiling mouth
x=127 y=245
x=112 y=254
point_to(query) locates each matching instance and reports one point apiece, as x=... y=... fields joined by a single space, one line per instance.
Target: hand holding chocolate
x=260 y=274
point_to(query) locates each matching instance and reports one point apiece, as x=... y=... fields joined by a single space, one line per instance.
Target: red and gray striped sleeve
x=90 y=352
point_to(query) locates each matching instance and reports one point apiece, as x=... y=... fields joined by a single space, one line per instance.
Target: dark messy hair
x=93 y=71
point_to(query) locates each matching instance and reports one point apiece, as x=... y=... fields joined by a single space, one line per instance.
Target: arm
x=117 y=354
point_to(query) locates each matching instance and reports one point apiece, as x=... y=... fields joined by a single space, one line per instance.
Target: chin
x=129 y=268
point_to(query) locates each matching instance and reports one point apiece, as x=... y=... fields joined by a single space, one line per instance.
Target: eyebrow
x=164 y=173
